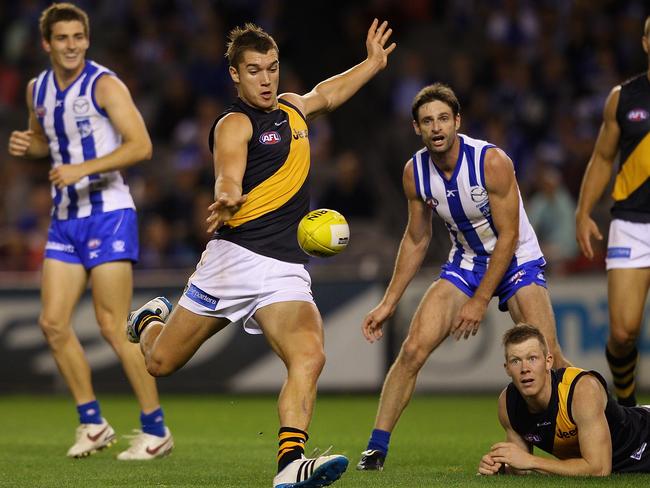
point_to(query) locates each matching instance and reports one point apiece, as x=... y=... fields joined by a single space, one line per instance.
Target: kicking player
x=252 y=272
x=83 y=118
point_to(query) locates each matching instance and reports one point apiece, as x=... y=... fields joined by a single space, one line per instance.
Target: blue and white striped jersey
x=463 y=203
x=77 y=130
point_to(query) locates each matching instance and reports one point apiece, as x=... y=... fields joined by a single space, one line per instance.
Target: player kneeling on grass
x=566 y=412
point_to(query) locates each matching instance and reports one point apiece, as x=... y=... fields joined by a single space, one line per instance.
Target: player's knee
x=309 y=363
x=623 y=338
x=413 y=355
x=54 y=331
x=158 y=365
x=114 y=335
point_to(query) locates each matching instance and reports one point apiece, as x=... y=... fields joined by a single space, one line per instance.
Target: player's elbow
x=146 y=150
x=600 y=470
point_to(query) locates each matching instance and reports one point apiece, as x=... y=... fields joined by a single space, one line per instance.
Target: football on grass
x=323 y=233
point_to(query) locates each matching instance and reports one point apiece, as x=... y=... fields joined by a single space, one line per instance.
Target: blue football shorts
x=94 y=240
x=515 y=277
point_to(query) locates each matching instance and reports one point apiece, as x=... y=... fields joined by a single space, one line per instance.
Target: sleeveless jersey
x=77 y=130
x=632 y=185
x=276 y=181
x=463 y=202
x=555 y=431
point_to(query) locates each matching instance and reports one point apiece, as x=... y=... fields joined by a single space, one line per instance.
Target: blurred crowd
x=531 y=76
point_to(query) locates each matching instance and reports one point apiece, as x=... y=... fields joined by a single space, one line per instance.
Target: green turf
x=229 y=441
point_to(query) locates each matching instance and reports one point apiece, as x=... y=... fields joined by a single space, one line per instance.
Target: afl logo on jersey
x=637 y=115
x=80 y=106
x=432 y=203
x=270 y=137
x=40 y=111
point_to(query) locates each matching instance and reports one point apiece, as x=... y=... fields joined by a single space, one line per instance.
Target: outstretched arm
x=114 y=97
x=597 y=174
x=504 y=206
x=588 y=407
x=410 y=255
x=333 y=92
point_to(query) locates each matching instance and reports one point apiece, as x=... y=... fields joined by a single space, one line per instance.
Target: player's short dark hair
x=61 y=12
x=250 y=37
x=521 y=333
x=437 y=91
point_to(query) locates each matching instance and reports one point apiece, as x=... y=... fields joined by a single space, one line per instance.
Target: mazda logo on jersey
x=80 y=106
x=479 y=194
x=270 y=137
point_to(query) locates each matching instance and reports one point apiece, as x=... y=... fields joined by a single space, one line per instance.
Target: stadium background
x=532 y=77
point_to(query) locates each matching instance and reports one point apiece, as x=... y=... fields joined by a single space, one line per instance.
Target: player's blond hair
x=521 y=333
x=61 y=12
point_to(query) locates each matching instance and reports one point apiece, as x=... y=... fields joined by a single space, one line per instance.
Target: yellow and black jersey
x=555 y=431
x=632 y=185
x=276 y=181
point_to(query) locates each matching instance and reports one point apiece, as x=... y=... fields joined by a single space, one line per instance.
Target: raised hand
x=377 y=37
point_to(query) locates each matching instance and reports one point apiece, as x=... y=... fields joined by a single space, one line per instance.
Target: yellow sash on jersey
x=634 y=172
x=278 y=189
x=565 y=444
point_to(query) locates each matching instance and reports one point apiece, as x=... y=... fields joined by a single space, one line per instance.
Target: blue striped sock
x=379 y=440
x=153 y=423
x=89 y=413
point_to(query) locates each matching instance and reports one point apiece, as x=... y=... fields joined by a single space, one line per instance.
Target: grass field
x=230 y=441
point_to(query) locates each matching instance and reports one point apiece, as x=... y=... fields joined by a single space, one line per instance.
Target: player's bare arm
x=488 y=465
x=410 y=255
x=597 y=175
x=333 y=92
x=231 y=136
x=30 y=143
x=504 y=205
x=588 y=408
x=113 y=96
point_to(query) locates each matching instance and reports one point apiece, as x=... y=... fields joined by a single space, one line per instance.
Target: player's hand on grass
x=488 y=466
x=222 y=210
x=372 y=327
x=512 y=455
x=586 y=228
x=469 y=318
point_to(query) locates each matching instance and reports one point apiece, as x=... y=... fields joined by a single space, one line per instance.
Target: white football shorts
x=628 y=245
x=232 y=282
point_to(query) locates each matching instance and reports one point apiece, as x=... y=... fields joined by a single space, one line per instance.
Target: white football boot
x=311 y=473
x=90 y=438
x=145 y=447
x=158 y=306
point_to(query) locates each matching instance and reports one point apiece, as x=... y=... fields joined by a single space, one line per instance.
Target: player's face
x=528 y=367
x=437 y=126
x=67 y=46
x=257 y=78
